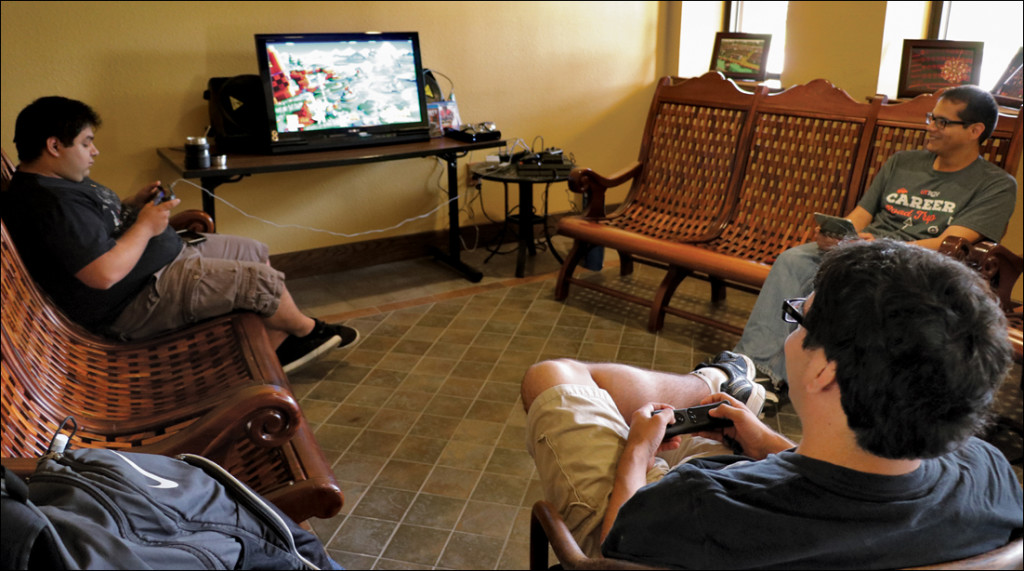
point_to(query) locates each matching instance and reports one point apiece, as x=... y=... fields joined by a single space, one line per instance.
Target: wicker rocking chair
x=214 y=389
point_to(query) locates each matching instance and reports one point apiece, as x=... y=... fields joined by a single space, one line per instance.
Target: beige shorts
x=576 y=435
x=221 y=275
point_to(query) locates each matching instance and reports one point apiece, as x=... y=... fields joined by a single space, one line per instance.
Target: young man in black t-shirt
x=116 y=267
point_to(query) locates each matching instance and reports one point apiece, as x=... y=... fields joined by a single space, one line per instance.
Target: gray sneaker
x=741 y=372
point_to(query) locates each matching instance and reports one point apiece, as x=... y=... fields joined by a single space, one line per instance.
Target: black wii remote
x=694 y=419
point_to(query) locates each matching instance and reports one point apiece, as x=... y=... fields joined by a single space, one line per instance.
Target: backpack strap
x=29 y=539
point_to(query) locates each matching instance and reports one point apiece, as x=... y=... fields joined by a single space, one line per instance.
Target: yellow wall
x=840 y=41
x=580 y=74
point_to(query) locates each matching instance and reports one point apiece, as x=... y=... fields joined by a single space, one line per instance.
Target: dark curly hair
x=919 y=344
x=52 y=116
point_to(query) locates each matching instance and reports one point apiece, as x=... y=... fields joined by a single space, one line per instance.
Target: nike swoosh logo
x=161 y=483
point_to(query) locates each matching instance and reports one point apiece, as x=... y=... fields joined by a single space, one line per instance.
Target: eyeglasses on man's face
x=942 y=122
x=793 y=310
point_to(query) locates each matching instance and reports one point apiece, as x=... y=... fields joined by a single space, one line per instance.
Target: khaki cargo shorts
x=576 y=435
x=216 y=277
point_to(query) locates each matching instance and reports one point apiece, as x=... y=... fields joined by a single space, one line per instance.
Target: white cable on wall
x=310 y=228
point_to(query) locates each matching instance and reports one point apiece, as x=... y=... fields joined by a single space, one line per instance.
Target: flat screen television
x=327 y=91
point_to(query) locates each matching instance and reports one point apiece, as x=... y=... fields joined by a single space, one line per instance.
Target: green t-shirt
x=910 y=200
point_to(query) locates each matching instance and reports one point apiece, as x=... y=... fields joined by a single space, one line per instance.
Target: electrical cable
x=310 y=228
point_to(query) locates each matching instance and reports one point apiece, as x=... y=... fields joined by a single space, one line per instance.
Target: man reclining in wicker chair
x=892 y=368
x=116 y=267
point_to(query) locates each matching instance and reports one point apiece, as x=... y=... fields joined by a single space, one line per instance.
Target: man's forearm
x=112 y=267
x=960 y=231
x=630 y=476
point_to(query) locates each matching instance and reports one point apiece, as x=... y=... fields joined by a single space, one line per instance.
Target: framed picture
x=930 y=65
x=741 y=56
x=1008 y=89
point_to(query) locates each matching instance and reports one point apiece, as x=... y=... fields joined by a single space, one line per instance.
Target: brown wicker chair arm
x=178 y=377
x=196 y=220
x=996 y=263
x=546 y=525
x=268 y=415
x=1001 y=267
x=586 y=181
x=6 y=170
x=955 y=247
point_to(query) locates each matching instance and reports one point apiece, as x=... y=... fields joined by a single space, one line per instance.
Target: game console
x=549 y=162
x=470 y=133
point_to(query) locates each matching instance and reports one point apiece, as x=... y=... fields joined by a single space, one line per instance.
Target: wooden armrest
x=7 y=168
x=546 y=525
x=955 y=247
x=586 y=181
x=267 y=415
x=997 y=264
x=196 y=220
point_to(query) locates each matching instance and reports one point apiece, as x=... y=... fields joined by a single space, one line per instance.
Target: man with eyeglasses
x=892 y=367
x=919 y=196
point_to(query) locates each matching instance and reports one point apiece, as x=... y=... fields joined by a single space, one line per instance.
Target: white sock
x=713 y=376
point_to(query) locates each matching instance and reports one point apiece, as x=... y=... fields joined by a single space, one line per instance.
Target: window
x=999 y=24
x=701 y=20
x=767 y=17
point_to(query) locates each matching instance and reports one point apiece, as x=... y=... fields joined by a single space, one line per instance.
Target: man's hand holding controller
x=164 y=195
x=755 y=438
x=156 y=210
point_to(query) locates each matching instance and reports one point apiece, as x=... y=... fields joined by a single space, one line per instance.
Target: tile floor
x=422 y=419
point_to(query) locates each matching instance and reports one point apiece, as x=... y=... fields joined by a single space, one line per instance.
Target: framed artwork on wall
x=1008 y=89
x=741 y=56
x=930 y=65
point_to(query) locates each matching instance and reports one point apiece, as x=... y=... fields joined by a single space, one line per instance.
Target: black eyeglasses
x=793 y=310
x=941 y=122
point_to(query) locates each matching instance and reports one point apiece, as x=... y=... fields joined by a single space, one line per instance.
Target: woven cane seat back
x=688 y=154
x=214 y=389
x=682 y=191
x=800 y=162
x=141 y=385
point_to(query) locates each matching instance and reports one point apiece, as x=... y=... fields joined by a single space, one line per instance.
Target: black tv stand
x=349 y=141
x=240 y=166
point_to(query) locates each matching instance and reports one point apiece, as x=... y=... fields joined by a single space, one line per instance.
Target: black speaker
x=238 y=114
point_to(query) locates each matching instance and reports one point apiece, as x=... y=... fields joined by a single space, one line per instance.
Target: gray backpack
x=95 y=508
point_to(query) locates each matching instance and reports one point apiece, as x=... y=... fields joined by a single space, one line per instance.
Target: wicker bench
x=726 y=180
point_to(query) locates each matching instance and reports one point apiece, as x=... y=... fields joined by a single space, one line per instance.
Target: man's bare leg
x=287 y=320
x=630 y=387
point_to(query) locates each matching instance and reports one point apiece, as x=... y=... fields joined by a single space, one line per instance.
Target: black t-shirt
x=60 y=226
x=789 y=511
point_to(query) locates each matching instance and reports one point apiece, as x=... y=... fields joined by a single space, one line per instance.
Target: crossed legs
x=576 y=432
x=630 y=387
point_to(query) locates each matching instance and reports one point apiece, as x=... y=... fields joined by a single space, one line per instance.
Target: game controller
x=163 y=195
x=695 y=419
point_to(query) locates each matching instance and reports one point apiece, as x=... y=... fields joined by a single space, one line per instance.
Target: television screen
x=336 y=90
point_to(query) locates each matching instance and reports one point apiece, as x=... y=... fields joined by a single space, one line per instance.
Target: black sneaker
x=741 y=372
x=296 y=352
